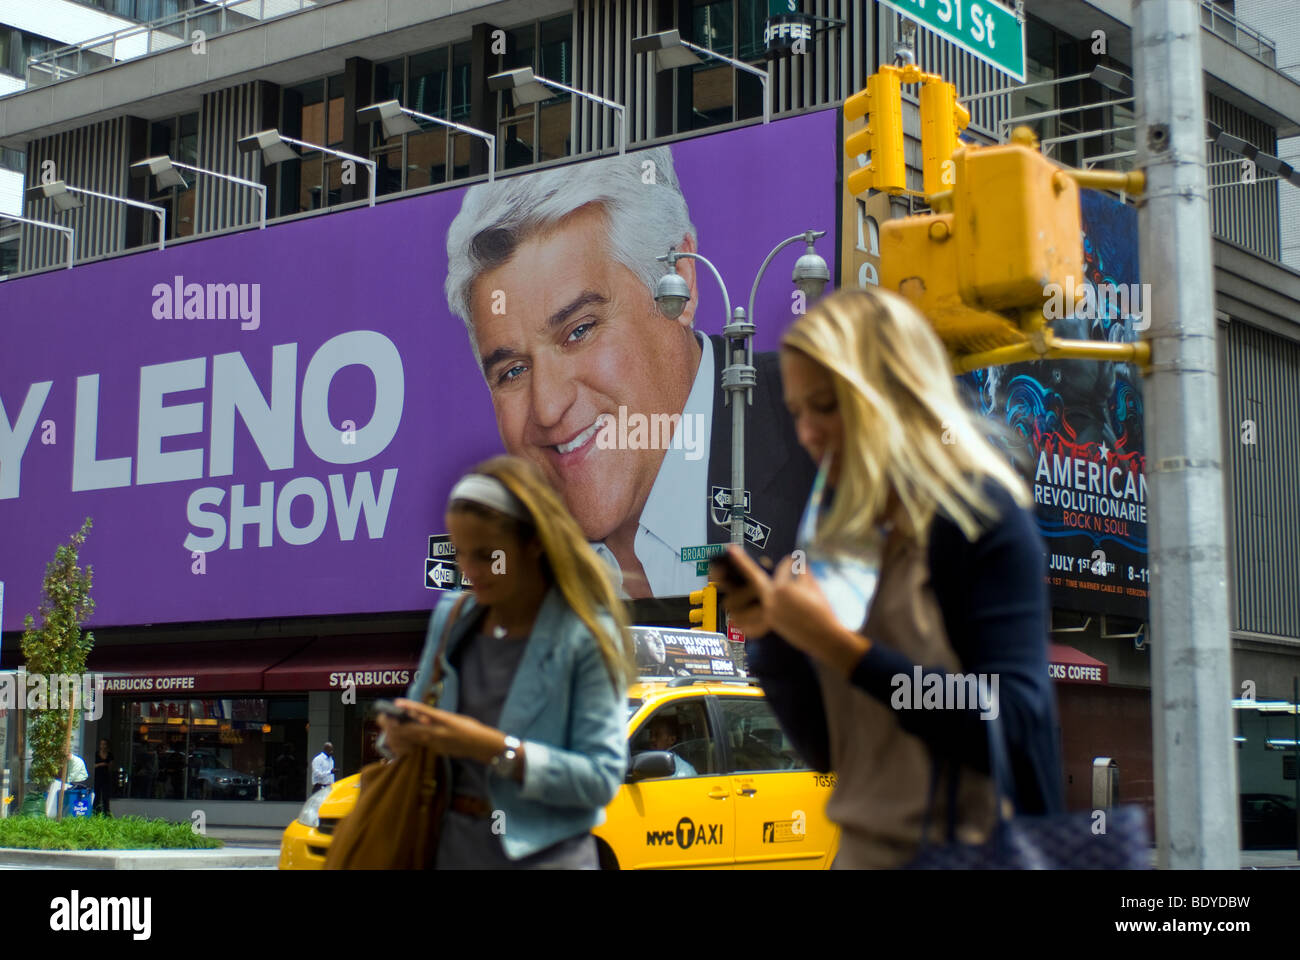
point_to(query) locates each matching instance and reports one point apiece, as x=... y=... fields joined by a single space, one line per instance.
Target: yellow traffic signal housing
x=881 y=103
x=704 y=609
x=981 y=273
x=1018 y=227
x=1013 y=230
x=942 y=119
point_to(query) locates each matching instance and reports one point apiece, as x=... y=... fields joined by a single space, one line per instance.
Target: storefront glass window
x=252 y=748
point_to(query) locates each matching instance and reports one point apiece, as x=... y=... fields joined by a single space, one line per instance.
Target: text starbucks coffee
x=136 y=684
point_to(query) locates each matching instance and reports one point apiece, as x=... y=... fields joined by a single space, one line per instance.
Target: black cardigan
x=993 y=595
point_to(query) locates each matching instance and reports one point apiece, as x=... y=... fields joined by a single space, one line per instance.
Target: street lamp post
x=671 y=293
x=530 y=88
x=163 y=170
x=65 y=197
x=739 y=374
x=275 y=147
x=397 y=120
x=68 y=233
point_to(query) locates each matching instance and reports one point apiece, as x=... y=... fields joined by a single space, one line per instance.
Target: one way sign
x=440 y=574
x=721 y=498
x=441 y=571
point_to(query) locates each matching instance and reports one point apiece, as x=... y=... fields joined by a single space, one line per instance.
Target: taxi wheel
x=605 y=855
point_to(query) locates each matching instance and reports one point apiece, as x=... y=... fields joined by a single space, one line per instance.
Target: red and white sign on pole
x=734 y=635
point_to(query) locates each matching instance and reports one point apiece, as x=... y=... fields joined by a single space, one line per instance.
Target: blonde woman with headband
x=534 y=675
x=922 y=564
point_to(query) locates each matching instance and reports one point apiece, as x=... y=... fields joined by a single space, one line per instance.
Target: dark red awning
x=385 y=661
x=1068 y=665
x=174 y=669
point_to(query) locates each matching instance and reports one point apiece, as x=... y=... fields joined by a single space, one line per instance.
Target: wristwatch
x=506 y=762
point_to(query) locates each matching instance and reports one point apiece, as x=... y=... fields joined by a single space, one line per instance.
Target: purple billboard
x=268 y=423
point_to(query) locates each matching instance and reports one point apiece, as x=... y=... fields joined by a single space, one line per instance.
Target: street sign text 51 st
x=984 y=28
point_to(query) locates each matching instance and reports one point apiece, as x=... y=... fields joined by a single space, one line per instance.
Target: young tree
x=58 y=646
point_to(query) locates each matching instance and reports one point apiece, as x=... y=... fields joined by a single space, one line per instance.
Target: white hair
x=639 y=193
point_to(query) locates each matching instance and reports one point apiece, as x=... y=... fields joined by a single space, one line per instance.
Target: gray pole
x=1191 y=669
x=738 y=379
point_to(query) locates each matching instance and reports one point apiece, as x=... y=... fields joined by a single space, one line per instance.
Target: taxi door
x=780 y=804
x=684 y=821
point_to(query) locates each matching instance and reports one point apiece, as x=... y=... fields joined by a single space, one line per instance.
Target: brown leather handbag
x=398 y=817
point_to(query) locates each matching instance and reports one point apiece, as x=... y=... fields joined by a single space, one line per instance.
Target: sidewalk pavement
x=249 y=836
x=1269 y=860
x=226 y=858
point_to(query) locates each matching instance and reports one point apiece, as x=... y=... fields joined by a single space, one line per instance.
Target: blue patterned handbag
x=1061 y=841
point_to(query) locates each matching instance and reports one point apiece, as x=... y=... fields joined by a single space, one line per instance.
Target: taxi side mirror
x=651 y=764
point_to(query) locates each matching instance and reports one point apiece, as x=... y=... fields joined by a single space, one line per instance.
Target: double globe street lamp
x=672 y=293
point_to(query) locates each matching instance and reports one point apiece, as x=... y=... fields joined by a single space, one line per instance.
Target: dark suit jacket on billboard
x=778 y=473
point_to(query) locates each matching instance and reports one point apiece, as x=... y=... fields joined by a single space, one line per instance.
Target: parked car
x=210 y=779
x=1268 y=821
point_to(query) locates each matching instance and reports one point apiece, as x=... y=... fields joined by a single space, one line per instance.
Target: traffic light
x=881 y=102
x=942 y=119
x=704 y=609
x=982 y=270
x=1013 y=229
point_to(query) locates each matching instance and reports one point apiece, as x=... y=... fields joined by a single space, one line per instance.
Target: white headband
x=490 y=492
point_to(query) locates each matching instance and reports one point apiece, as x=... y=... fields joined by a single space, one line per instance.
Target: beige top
x=883 y=772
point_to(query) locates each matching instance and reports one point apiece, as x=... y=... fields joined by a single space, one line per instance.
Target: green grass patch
x=101 y=833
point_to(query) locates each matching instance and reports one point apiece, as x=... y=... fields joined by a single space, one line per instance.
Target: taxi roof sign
x=671 y=652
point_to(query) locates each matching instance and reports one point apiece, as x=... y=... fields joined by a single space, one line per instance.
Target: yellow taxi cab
x=713 y=782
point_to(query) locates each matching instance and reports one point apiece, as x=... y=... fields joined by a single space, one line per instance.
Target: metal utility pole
x=1191 y=669
x=738 y=379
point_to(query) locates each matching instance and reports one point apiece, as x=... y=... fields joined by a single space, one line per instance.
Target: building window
x=435 y=83
x=536 y=132
x=16 y=46
x=312 y=112
x=710 y=93
x=178 y=138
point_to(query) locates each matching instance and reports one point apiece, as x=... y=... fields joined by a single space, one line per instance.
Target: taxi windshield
x=633 y=705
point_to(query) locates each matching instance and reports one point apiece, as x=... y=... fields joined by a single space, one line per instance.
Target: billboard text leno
x=271 y=423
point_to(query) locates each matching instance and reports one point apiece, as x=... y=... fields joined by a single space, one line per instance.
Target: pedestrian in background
x=913 y=486
x=531 y=709
x=322 y=768
x=77 y=772
x=103 y=778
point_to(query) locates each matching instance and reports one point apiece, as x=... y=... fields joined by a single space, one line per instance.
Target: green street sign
x=701 y=568
x=702 y=552
x=984 y=28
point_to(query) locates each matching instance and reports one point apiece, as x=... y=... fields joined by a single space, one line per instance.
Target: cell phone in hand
x=724 y=571
x=391 y=710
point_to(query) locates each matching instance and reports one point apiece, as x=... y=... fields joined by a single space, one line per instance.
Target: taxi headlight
x=309 y=815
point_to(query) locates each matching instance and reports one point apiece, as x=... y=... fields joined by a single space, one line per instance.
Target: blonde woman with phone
x=920 y=563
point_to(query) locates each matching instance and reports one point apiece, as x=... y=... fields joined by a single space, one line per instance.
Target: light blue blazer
x=563 y=706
